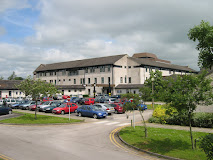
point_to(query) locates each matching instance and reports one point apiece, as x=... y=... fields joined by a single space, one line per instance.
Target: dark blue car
x=91 y=111
x=5 y=110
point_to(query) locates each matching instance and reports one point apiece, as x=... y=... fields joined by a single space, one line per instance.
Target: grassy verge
x=28 y=118
x=169 y=142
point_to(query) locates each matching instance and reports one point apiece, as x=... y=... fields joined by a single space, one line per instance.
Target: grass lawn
x=169 y=142
x=28 y=118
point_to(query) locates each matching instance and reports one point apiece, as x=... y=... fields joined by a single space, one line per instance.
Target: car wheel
x=79 y=114
x=9 y=105
x=116 y=112
x=10 y=112
x=75 y=111
x=95 y=116
x=62 y=112
x=27 y=108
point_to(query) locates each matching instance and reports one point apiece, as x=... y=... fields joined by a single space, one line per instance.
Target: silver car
x=106 y=107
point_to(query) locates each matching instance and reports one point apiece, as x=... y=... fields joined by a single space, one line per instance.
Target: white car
x=106 y=107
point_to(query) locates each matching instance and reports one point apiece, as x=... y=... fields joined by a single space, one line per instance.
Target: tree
x=12 y=76
x=1 y=78
x=203 y=33
x=185 y=92
x=135 y=104
x=158 y=85
x=18 y=78
x=36 y=88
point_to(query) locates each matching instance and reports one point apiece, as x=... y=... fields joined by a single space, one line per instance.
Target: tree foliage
x=203 y=33
x=134 y=104
x=36 y=88
x=13 y=76
x=185 y=92
x=158 y=83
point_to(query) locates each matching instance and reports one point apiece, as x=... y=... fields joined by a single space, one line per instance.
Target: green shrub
x=202 y=119
x=206 y=143
x=85 y=95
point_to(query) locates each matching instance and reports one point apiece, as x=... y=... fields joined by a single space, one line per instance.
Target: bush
x=206 y=143
x=85 y=95
x=203 y=120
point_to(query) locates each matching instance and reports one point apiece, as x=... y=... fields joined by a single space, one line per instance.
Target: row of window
x=74 y=72
x=149 y=69
x=125 y=80
x=82 y=80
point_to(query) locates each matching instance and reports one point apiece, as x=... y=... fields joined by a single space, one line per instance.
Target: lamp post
x=109 y=89
x=94 y=90
x=152 y=79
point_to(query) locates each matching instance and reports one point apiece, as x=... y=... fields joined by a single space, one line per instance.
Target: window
x=64 y=80
x=63 y=72
x=68 y=90
x=92 y=70
x=125 y=79
x=81 y=81
x=130 y=80
x=75 y=90
x=108 y=68
x=102 y=80
x=19 y=93
x=102 y=69
x=16 y=93
x=95 y=80
x=55 y=73
x=86 y=70
x=45 y=74
x=73 y=73
x=146 y=69
x=69 y=79
x=129 y=66
x=55 y=82
x=88 y=80
x=59 y=80
x=74 y=81
x=10 y=93
x=121 y=80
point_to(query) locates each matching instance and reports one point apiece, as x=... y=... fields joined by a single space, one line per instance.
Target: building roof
x=129 y=86
x=9 y=84
x=147 y=62
x=80 y=63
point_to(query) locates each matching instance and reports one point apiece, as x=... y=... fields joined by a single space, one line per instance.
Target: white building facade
x=117 y=74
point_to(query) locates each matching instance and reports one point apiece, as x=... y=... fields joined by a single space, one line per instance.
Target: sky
x=34 y=32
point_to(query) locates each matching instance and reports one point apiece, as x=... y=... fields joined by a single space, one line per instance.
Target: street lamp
x=94 y=90
x=152 y=79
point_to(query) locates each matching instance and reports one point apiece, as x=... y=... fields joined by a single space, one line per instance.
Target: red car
x=64 y=108
x=64 y=96
x=47 y=99
x=89 y=101
x=33 y=107
x=118 y=107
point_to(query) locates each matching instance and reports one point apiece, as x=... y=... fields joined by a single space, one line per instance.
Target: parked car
x=53 y=105
x=43 y=105
x=5 y=110
x=106 y=107
x=26 y=105
x=81 y=101
x=110 y=100
x=118 y=107
x=18 y=103
x=116 y=96
x=47 y=99
x=89 y=101
x=91 y=111
x=65 y=107
x=10 y=102
x=64 y=96
x=143 y=106
x=33 y=106
x=100 y=99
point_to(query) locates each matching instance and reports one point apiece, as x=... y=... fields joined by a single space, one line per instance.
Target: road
x=90 y=140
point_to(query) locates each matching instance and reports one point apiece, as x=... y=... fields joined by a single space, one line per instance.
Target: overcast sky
x=40 y=32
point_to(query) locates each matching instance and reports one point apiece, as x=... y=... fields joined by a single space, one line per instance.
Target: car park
x=65 y=108
x=33 y=106
x=91 y=111
x=18 y=103
x=5 y=110
x=81 y=101
x=118 y=107
x=106 y=107
x=26 y=105
x=89 y=101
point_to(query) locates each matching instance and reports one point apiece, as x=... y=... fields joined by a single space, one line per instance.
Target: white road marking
x=112 y=123
x=101 y=122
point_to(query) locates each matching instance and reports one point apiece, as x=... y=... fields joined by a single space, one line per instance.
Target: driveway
x=84 y=141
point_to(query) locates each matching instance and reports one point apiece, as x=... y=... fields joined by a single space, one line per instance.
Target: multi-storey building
x=115 y=74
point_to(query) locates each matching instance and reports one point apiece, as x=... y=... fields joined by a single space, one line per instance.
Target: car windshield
x=113 y=99
x=107 y=105
x=45 y=103
x=97 y=108
x=63 y=105
x=121 y=105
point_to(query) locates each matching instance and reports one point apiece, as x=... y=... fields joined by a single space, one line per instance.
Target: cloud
x=71 y=30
